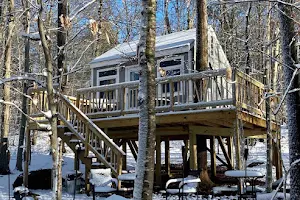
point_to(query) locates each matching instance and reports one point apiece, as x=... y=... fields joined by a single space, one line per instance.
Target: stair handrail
x=92 y=126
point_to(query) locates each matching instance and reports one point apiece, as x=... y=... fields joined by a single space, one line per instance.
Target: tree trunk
x=166 y=17
x=248 y=66
x=269 y=165
x=288 y=47
x=25 y=87
x=143 y=186
x=61 y=41
x=201 y=65
x=4 y=156
x=97 y=45
x=56 y=187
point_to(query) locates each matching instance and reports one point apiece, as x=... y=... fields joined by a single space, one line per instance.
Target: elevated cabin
x=221 y=104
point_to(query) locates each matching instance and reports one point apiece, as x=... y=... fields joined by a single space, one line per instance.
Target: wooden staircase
x=89 y=143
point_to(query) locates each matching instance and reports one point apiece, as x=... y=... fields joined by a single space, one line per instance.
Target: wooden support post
x=87 y=179
x=158 y=161
x=230 y=149
x=124 y=162
x=76 y=160
x=27 y=157
x=193 y=150
x=167 y=156
x=213 y=158
x=237 y=133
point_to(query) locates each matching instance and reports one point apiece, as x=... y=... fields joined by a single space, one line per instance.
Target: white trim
x=107 y=77
x=128 y=69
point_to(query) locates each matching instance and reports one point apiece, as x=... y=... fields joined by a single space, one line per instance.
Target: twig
x=286 y=91
x=81 y=9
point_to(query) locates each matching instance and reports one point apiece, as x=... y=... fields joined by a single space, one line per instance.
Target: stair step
x=68 y=133
x=97 y=165
x=75 y=141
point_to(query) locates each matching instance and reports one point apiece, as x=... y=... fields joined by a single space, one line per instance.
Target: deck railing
x=249 y=94
x=176 y=93
x=90 y=135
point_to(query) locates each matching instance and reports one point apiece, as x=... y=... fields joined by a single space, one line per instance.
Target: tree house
x=104 y=118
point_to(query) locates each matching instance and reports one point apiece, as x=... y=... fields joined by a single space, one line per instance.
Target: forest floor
x=42 y=160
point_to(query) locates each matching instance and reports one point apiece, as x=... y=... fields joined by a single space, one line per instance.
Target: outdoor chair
x=102 y=182
x=187 y=186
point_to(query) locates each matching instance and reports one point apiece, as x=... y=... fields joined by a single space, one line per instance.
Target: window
x=107 y=77
x=134 y=75
x=170 y=67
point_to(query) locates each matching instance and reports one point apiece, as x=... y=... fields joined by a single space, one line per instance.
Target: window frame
x=172 y=67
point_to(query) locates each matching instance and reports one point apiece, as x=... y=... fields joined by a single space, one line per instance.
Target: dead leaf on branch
x=65 y=21
x=94 y=26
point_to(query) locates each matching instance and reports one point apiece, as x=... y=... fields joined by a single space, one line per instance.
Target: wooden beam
x=226 y=155
x=182 y=117
x=219 y=159
x=213 y=158
x=167 y=156
x=256 y=120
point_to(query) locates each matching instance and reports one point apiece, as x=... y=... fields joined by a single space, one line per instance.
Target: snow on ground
x=42 y=160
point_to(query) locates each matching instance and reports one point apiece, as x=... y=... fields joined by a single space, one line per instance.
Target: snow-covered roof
x=164 y=42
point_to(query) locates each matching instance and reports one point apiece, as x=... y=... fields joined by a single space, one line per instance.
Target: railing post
x=172 y=98
x=87 y=139
x=234 y=87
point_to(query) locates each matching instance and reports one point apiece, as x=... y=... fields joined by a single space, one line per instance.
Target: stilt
x=193 y=151
x=230 y=149
x=124 y=148
x=158 y=161
x=237 y=133
x=167 y=156
x=87 y=179
x=213 y=158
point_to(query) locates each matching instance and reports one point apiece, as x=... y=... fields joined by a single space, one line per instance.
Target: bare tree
x=4 y=154
x=26 y=23
x=56 y=186
x=287 y=31
x=143 y=185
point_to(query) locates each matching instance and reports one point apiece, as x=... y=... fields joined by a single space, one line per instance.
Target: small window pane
x=107 y=82
x=173 y=72
x=134 y=76
x=170 y=63
x=108 y=73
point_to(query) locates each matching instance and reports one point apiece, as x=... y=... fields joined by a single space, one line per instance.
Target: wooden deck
x=230 y=107
x=177 y=110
